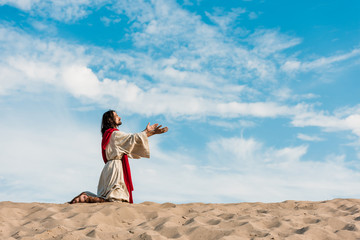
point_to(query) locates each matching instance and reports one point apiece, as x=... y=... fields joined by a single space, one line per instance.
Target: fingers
x=161 y=130
x=156 y=128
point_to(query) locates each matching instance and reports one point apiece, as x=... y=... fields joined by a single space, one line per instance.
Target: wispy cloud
x=50 y=157
x=179 y=67
x=110 y=20
x=69 y=67
x=322 y=62
x=244 y=169
x=225 y=20
x=286 y=94
x=172 y=31
x=66 y=11
x=253 y=15
x=309 y=117
x=268 y=42
x=309 y=138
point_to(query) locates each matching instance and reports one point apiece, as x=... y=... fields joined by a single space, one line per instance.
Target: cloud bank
x=181 y=66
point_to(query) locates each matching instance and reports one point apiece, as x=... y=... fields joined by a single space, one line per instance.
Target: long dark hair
x=107 y=121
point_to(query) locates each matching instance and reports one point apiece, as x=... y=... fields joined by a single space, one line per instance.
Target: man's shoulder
x=120 y=133
x=123 y=134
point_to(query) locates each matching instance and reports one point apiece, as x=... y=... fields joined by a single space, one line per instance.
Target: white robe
x=111 y=183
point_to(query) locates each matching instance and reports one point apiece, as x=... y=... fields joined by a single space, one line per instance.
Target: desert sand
x=333 y=219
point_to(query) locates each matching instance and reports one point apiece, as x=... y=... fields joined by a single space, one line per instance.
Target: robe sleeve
x=134 y=145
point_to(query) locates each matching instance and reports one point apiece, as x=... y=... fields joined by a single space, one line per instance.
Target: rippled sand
x=334 y=219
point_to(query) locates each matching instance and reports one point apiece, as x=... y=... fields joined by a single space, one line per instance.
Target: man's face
x=117 y=119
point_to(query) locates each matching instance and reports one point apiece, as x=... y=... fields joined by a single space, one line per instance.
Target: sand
x=334 y=219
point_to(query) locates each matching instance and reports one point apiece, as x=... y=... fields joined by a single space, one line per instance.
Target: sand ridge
x=333 y=219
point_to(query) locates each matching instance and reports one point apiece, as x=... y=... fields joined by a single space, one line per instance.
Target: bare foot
x=95 y=199
x=81 y=198
x=85 y=198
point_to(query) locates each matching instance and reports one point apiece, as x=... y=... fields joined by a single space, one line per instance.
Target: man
x=115 y=180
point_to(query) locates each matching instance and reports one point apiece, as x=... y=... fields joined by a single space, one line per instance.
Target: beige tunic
x=111 y=183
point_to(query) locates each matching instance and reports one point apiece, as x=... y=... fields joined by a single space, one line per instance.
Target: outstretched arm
x=155 y=129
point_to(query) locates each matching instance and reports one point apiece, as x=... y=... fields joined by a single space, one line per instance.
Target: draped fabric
x=115 y=183
x=105 y=142
x=127 y=176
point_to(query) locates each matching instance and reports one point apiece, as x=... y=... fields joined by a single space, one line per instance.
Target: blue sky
x=260 y=97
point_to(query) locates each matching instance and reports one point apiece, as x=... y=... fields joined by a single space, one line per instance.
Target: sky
x=261 y=97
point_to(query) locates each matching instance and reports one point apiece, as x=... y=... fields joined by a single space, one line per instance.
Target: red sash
x=125 y=161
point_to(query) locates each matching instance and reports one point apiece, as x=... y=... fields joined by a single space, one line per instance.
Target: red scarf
x=125 y=161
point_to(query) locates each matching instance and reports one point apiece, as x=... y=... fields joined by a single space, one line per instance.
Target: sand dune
x=334 y=219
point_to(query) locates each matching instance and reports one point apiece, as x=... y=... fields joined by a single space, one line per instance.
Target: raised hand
x=155 y=129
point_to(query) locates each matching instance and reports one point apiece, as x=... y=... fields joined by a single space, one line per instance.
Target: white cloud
x=326 y=61
x=225 y=20
x=285 y=94
x=179 y=67
x=290 y=66
x=253 y=15
x=258 y=109
x=22 y=4
x=164 y=25
x=307 y=117
x=309 y=138
x=44 y=27
x=346 y=111
x=322 y=62
x=268 y=42
x=235 y=169
x=183 y=35
x=29 y=60
x=67 y=10
x=110 y=20
x=31 y=64
x=45 y=155
x=240 y=169
x=353 y=122
x=81 y=81
x=233 y=124
x=201 y=79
